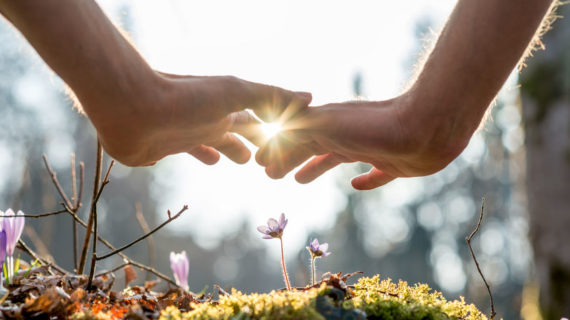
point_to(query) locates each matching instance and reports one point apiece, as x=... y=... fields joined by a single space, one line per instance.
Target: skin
x=142 y=115
x=421 y=131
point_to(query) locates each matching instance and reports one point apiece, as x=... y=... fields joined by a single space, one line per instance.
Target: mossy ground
x=370 y=298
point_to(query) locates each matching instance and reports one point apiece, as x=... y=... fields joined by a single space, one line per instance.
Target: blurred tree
x=545 y=88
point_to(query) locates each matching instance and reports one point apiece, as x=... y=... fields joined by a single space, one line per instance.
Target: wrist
x=127 y=123
x=435 y=126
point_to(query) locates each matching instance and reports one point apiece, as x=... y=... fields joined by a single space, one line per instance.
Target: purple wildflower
x=2 y=247
x=13 y=228
x=274 y=229
x=180 y=266
x=318 y=250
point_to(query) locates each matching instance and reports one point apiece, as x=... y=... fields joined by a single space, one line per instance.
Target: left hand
x=391 y=135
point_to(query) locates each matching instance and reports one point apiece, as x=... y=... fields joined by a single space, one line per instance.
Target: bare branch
x=73 y=179
x=74 y=200
x=99 y=161
x=170 y=219
x=119 y=267
x=77 y=204
x=53 y=176
x=468 y=239
x=124 y=256
x=94 y=210
x=34 y=255
x=146 y=229
x=41 y=215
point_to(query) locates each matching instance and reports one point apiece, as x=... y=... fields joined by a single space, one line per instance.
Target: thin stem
x=313 y=269
x=119 y=267
x=41 y=215
x=99 y=161
x=124 y=256
x=285 y=276
x=146 y=229
x=53 y=176
x=22 y=245
x=73 y=180
x=144 y=236
x=468 y=239
x=94 y=248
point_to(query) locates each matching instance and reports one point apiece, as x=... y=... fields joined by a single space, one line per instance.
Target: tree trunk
x=545 y=91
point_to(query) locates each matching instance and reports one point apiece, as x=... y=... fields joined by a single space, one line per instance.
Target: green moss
x=387 y=300
x=377 y=299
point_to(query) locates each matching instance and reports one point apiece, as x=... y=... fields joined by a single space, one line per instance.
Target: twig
x=77 y=204
x=41 y=215
x=73 y=180
x=144 y=236
x=146 y=229
x=35 y=256
x=94 y=248
x=468 y=239
x=98 y=164
x=124 y=256
x=74 y=200
x=37 y=242
x=53 y=176
x=119 y=267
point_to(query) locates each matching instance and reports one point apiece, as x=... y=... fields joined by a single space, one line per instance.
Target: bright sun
x=270 y=129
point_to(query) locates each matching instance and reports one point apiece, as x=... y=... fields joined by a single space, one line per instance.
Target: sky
x=314 y=46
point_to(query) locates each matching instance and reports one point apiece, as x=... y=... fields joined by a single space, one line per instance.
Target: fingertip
x=272 y=173
x=243 y=158
x=305 y=96
x=260 y=157
x=300 y=178
x=358 y=184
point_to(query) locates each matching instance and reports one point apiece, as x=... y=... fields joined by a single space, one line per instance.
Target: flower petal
x=267 y=237
x=263 y=229
x=272 y=223
x=324 y=247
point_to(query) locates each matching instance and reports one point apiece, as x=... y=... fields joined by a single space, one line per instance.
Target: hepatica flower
x=274 y=230
x=317 y=250
x=12 y=226
x=180 y=267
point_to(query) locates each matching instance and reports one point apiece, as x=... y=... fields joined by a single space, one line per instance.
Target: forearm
x=477 y=50
x=84 y=48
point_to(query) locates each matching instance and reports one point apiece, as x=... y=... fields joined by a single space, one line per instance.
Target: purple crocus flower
x=13 y=228
x=318 y=250
x=180 y=266
x=274 y=228
x=2 y=247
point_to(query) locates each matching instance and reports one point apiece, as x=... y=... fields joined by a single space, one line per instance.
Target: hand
x=190 y=114
x=385 y=134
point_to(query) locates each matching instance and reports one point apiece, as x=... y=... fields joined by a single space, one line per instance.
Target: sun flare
x=270 y=129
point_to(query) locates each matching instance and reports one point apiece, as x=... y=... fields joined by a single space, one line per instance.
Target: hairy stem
x=313 y=269
x=285 y=276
